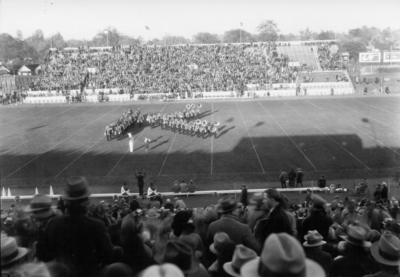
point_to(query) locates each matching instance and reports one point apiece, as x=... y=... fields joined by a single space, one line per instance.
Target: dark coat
x=355 y=264
x=80 y=242
x=322 y=258
x=238 y=232
x=384 y=193
x=277 y=222
x=317 y=221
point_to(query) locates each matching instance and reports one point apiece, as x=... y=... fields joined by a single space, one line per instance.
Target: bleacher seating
x=301 y=54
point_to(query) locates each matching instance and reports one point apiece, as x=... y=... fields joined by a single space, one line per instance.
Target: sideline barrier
x=44 y=100
x=208 y=192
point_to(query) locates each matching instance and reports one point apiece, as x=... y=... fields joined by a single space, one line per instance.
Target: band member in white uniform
x=131 y=142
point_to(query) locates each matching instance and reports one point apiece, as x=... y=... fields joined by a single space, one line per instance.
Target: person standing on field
x=140 y=181
x=283 y=177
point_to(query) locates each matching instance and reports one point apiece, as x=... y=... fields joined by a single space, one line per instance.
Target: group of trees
x=19 y=50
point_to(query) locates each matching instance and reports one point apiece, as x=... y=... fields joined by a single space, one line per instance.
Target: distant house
x=3 y=70
x=23 y=70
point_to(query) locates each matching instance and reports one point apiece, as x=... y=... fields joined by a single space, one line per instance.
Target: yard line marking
x=26 y=116
x=212 y=138
x=251 y=139
x=46 y=131
x=57 y=144
x=167 y=155
x=354 y=128
x=289 y=137
x=328 y=136
x=141 y=133
x=369 y=117
x=40 y=121
x=375 y=107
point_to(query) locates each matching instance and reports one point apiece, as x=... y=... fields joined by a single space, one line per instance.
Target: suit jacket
x=80 y=242
x=317 y=221
x=355 y=264
x=322 y=258
x=238 y=232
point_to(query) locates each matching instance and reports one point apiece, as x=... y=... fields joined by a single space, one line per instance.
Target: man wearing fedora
x=313 y=249
x=228 y=223
x=356 y=260
x=41 y=210
x=386 y=252
x=80 y=242
x=241 y=256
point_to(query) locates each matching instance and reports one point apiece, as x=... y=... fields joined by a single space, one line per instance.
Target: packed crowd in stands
x=327 y=59
x=262 y=234
x=165 y=69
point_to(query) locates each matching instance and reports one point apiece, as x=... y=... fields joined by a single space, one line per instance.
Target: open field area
x=342 y=138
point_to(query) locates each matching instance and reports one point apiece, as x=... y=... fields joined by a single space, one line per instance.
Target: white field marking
x=255 y=150
x=46 y=131
x=167 y=155
x=369 y=117
x=289 y=137
x=29 y=115
x=375 y=107
x=354 y=128
x=57 y=144
x=328 y=136
x=212 y=138
x=126 y=152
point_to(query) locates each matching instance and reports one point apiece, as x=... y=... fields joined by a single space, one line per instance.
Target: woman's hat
x=77 y=188
x=241 y=256
x=387 y=249
x=40 y=206
x=357 y=236
x=10 y=252
x=219 y=239
x=282 y=255
x=179 y=254
x=226 y=204
x=313 y=239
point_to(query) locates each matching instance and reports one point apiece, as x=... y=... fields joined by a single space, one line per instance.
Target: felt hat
x=40 y=206
x=357 y=236
x=313 y=239
x=77 y=188
x=226 y=204
x=219 y=239
x=180 y=219
x=152 y=213
x=179 y=254
x=282 y=255
x=241 y=256
x=10 y=252
x=387 y=249
x=164 y=270
x=318 y=202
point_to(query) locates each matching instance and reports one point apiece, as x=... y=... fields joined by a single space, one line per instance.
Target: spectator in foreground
x=11 y=255
x=317 y=220
x=313 y=249
x=241 y=256
x=78 y=241
x=282 y=255
x=386 y=252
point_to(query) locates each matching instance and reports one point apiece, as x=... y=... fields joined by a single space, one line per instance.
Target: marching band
x=121 y=125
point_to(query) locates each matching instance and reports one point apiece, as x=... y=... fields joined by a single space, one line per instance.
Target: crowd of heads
x=263 y=234
x=327 y=59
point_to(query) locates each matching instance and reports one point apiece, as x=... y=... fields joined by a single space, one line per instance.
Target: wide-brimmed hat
x=282 y=255
x=241 y=256
x=313 y=239
x=77 y=188
x=357 y=235
x=179 y=254
x=387 y=249
x=318 y=202
x=226 y=204
x=219 y=239
x=10 y=252
x=40 y=206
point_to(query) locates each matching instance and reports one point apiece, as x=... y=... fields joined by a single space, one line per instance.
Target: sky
x=83 y=19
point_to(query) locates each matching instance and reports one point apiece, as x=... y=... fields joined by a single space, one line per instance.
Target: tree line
x=19 y=50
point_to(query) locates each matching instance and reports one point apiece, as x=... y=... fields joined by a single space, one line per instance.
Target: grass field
x=342 y=138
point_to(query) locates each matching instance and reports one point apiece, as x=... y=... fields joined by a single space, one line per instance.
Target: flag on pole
x=147 y=28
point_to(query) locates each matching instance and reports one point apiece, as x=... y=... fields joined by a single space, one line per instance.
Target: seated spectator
x=355 y=260
x=313 y=249
x=184 y=186
x=191 y=187
x=287 y=259
x=361 y=187
x=176 y=188
x=321 y=183
x=386 y=252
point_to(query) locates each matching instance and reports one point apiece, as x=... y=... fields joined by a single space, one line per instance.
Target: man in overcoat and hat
x=76 y=240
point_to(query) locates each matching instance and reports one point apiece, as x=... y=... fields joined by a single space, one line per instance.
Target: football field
x=342 y=138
